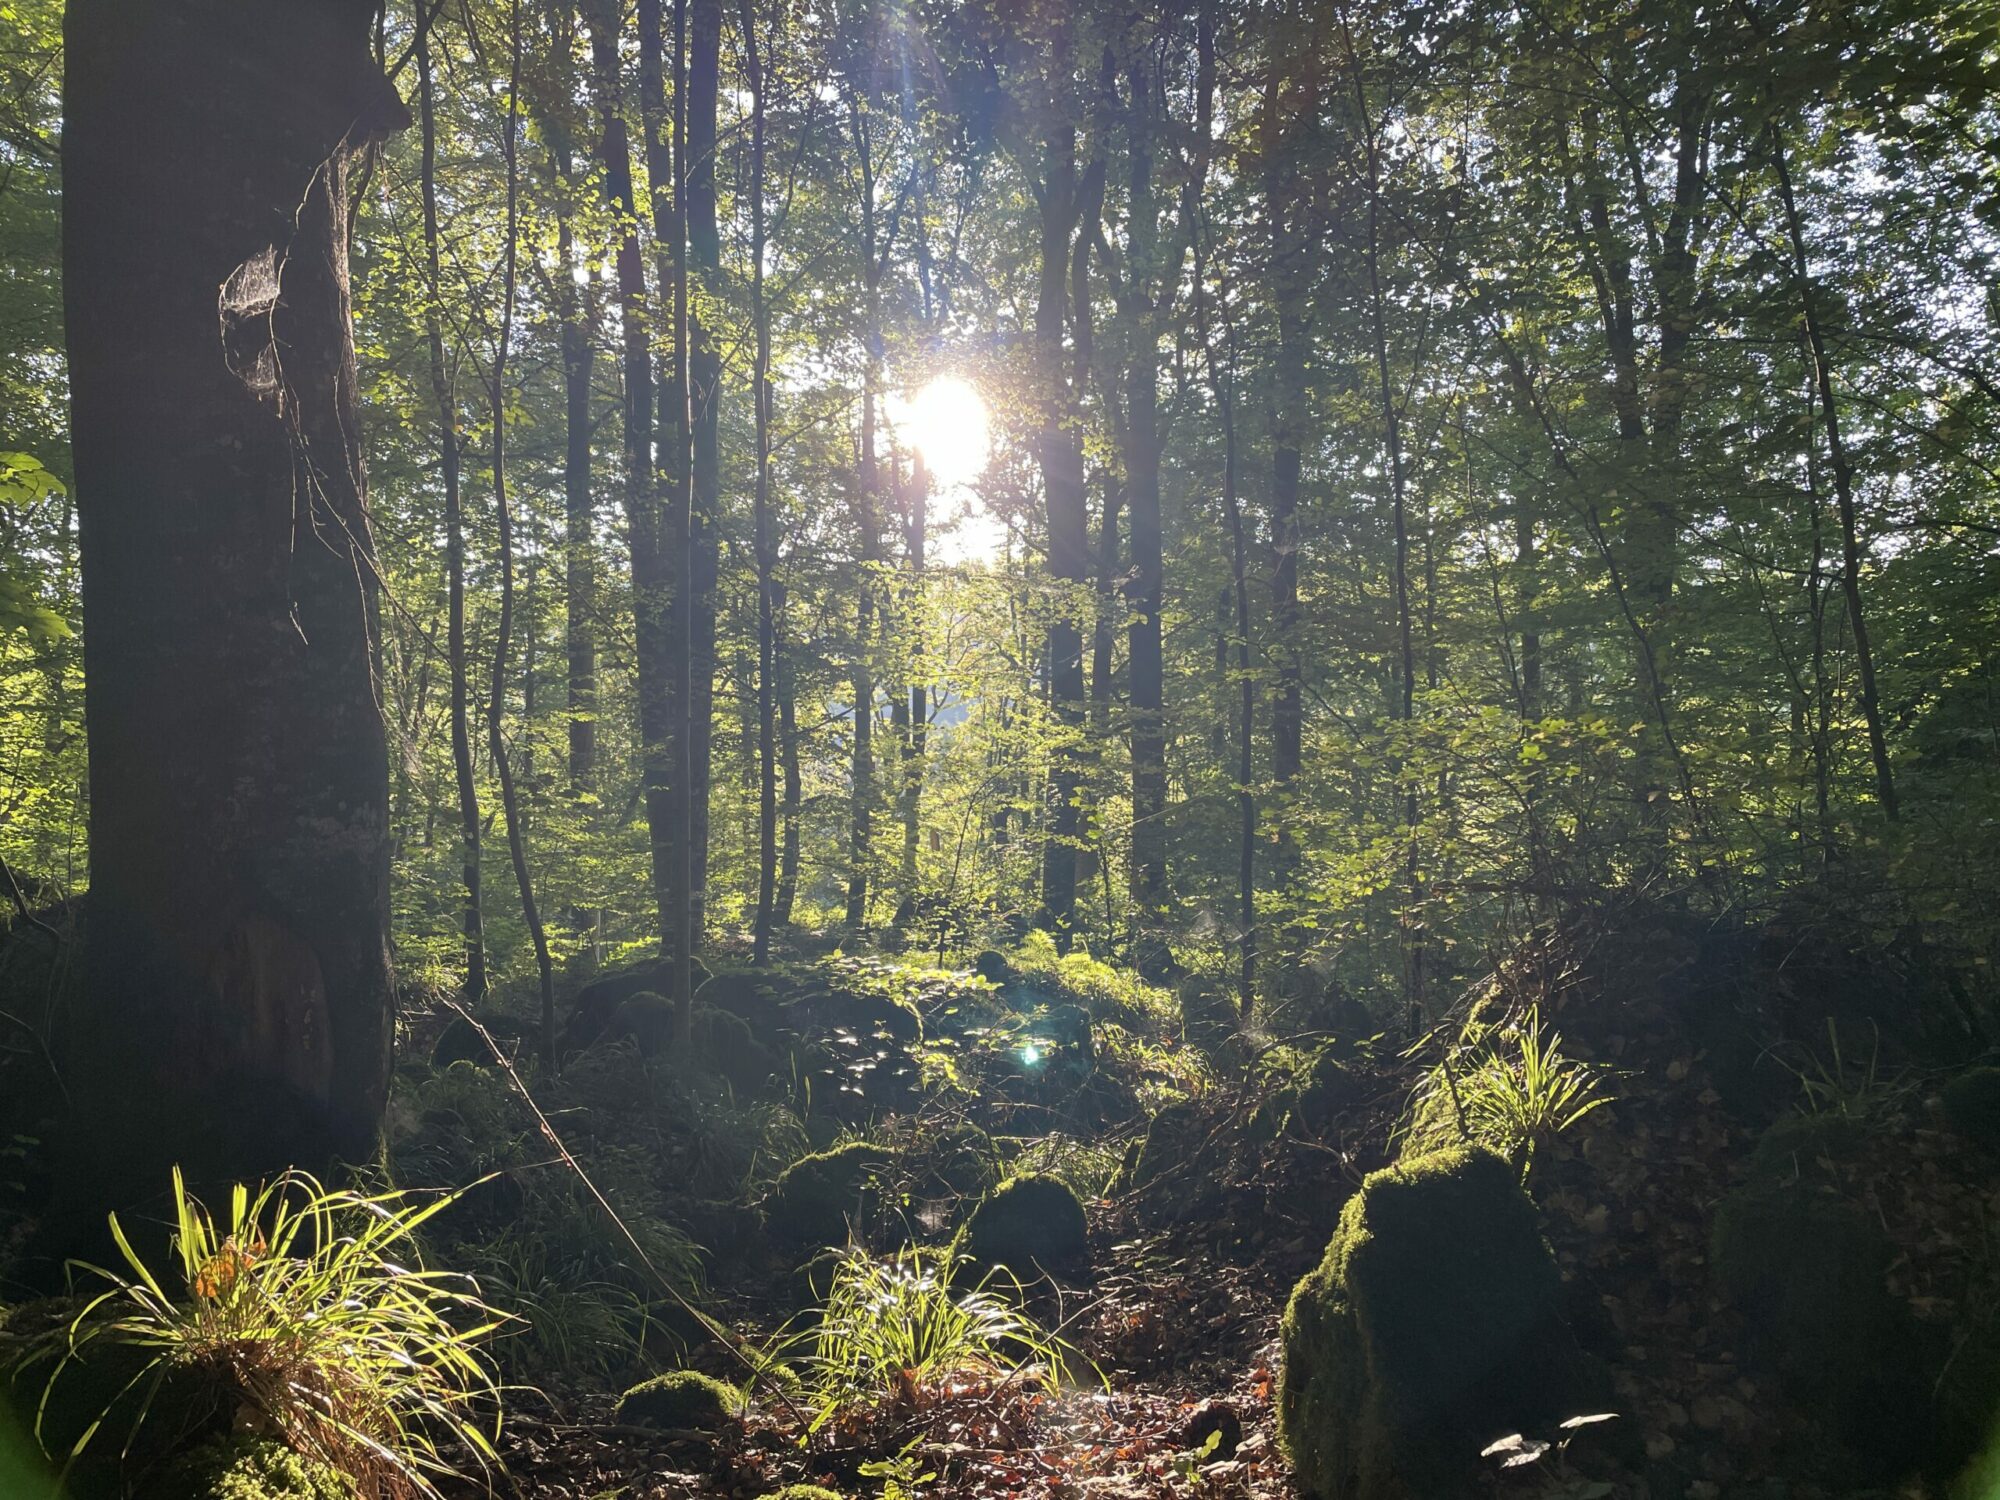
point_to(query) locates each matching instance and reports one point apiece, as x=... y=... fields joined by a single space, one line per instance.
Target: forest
x=941 y=749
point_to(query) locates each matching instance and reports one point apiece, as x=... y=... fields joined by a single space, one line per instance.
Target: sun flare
x=946 y=422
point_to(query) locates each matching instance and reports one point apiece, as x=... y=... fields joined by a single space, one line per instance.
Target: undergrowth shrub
x=897 y=1331
x=297 y=1315
x=1508 y=1086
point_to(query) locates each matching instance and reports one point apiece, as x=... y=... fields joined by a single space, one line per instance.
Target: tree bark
x=764 y=540
x=239 y=995
x=450 y=473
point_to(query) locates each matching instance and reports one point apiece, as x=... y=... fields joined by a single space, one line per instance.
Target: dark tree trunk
x=579 y=537
x=238 y=978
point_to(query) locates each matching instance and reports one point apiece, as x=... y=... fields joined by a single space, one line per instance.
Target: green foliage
x=903 y=1330
x=1433 y=1322
x=1972 y=1104
x=296 y=1312
x=1836 y=1084
x=1108 y=992
x=1031 y=1224
x=682 y=1399
x=1510 y=1087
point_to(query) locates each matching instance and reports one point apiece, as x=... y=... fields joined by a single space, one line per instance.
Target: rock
x=1432 y=1327
x=595 y=1004
x=683 y=1400
x=991 y=965
x=1972 y=1104
x=816 y=1196
x=804 y=1492
x=1032 y=1224
x=1807 y=1267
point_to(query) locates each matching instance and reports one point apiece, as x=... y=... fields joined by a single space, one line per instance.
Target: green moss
x=239 y=1470
x=1972 y=1104
x=1432 y=1326
x=727 y=1046
x=1029 y=1223
x=804 y=1492
x=816 y=1195
x=680 y=1399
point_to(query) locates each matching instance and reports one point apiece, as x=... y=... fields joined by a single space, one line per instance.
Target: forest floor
x=1179 y=1320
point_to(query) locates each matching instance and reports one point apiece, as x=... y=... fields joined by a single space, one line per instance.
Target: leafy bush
x=897 y=1331
x=292 y=1314
x=1510 y=1088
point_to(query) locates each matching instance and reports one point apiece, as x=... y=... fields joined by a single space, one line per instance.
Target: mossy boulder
x=683 y=1400
x=1174 y=1137
x=1972 y=1104
x=1432 y=1326
x=818 y=1195
x=804 y=1492
x=726 y=1045
x=251 y=1470
x=1030 y=1224
x=1807 y=1265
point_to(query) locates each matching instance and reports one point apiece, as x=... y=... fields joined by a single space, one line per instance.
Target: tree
x=239 y=990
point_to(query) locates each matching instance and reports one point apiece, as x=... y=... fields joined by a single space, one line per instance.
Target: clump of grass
x=297 y=1317
x=1086 y=1165
x=1510 y=1087
x=898 y=1331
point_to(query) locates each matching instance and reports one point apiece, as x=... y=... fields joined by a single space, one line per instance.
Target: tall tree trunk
x=496 y=703
x=861 y=814
x=788 y=750
x=1843 y=481
x=450 y=467
x=578 y=311
x=764 y=540
x=238 y=996
x=645 y=523
x=1060 y=449
x=916 y=713
x=704 y=254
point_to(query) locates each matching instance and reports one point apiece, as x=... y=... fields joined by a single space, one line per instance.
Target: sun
x=946 y=422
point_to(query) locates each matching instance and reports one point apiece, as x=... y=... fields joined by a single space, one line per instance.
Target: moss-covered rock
x=246 y=1470
x=1432 y=1326
x=1173 y=1137
x=1807 y=1265
x=817 y=1196
x=804 y=1492
x=686 y=1400
x=1029 y=1224
x=1972 y=1104
x=726 y=1045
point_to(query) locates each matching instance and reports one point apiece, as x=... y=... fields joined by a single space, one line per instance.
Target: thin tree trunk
x=916 y=715
x=788 y=746
x=577 y=313
x=701 y=79
x=862 y=808
x=496 y=703
x=764 y=541
x=1843 y=484
x=450 y=464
